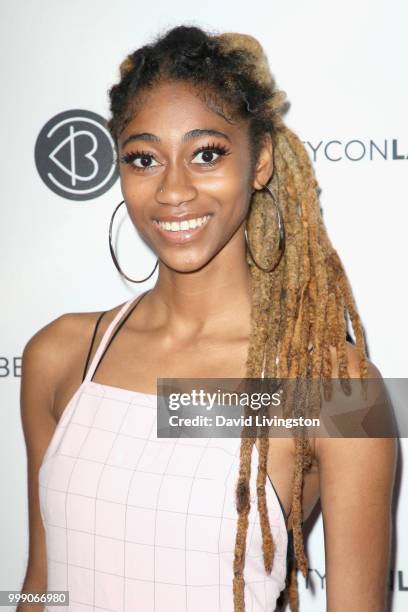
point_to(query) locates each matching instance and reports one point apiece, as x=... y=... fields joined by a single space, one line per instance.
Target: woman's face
x=185 y=176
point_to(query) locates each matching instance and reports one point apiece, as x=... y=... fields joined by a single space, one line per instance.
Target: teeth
x=174 y=226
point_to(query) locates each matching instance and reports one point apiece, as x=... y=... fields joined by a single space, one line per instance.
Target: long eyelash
x=220 y=149
x=130 y=157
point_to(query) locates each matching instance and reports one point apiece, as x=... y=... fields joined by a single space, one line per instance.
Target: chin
x=185 y=264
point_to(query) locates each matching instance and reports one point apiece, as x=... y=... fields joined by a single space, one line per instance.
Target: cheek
x=127 y=185
x=230 y=186
x=240 y=179
x=135 y=195
x=235 y=194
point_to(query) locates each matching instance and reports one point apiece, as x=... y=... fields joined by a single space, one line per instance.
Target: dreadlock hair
x=306 y=299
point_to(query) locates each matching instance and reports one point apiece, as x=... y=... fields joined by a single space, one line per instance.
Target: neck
x=217 y=296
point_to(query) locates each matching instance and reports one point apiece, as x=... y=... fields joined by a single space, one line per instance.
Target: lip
x=181 y=236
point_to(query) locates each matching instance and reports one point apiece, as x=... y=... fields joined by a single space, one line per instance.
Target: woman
x=248 y=285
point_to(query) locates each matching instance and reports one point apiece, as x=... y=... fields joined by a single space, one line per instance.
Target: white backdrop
x=343 y=66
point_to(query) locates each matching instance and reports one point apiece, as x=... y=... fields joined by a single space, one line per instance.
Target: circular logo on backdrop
x=75 y=155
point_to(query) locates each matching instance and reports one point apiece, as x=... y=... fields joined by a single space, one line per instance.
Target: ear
x=264 y=165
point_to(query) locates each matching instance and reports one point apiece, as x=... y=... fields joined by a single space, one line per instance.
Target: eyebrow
x=146 y=136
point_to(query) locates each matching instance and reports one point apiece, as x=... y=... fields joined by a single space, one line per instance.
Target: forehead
x=172 y=108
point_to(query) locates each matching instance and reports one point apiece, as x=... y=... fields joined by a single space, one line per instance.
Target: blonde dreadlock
x=303 y=302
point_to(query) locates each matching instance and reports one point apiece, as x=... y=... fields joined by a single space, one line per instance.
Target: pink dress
x=139 y=523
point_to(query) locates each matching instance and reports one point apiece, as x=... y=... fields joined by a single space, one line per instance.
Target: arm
x=39 y=366
x=356 y=485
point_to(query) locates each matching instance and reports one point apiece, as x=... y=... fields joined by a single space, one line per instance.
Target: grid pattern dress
x=139 y=523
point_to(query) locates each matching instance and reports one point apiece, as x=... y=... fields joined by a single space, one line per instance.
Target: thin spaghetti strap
x=107 y=339
x=92 y=341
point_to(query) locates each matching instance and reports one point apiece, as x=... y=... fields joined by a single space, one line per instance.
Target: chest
x=135 y=362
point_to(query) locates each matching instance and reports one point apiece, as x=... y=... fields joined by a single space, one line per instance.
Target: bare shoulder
x=353 y=359
x=57 y=346
x=325 y=446
x=53 y=346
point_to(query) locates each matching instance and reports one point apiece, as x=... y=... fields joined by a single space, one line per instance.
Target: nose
x=176 y=186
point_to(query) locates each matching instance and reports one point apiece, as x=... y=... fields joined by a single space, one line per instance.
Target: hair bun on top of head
x=235 y=41
x=184 y=37
x=186 y=43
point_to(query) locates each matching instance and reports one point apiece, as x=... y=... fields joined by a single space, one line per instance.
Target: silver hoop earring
x=281 y=230
x=112 y=252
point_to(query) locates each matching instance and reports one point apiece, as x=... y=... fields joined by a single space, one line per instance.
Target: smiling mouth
x=182 y=231
x=187 y=224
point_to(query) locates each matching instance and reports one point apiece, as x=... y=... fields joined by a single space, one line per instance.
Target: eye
x=142 y=157
x=210 y=154
x=142 y=160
